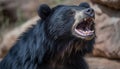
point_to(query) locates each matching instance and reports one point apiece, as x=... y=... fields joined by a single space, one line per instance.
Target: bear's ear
x=44 y=11
x=84 y=4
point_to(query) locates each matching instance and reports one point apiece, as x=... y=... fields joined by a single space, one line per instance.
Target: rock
x=7 y=12
x=107 y=29
x=102 y=63
x=110 y=3
x=11 y=37
x=107 y=32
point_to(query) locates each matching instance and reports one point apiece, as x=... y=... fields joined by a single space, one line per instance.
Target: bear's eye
x=71 y=12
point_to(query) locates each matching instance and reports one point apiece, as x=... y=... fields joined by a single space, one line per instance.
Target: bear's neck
x=54 y=48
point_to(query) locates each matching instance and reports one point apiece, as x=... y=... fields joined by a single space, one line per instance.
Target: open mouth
x=85 y=28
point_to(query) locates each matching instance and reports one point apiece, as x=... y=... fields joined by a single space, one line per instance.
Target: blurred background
x=16 y=16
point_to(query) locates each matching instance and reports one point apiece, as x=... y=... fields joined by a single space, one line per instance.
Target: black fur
x=44 y=11
x=84 y=4
x=48 y=45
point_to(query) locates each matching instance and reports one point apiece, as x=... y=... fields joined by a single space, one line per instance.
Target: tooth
x=87 y=32
x=92 y=31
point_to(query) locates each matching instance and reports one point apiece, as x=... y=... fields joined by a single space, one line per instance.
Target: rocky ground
x=102 y=63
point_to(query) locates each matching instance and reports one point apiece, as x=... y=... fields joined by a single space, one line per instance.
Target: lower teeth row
x=85 y=33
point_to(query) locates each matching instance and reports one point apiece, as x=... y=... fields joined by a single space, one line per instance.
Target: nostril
x=89 y=10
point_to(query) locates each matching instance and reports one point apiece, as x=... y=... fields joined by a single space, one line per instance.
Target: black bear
x=59 y=40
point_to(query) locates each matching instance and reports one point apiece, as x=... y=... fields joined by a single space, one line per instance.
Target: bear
x=59 y=40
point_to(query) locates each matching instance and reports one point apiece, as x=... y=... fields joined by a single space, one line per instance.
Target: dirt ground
x=102 y=63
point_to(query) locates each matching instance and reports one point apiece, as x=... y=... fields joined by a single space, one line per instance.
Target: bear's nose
x=90 y=12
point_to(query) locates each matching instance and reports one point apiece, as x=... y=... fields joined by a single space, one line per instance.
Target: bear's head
x=62 y=21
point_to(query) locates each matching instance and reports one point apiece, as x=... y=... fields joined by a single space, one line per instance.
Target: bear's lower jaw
x=87 y=35
x=84 y=29
x=84 y=33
